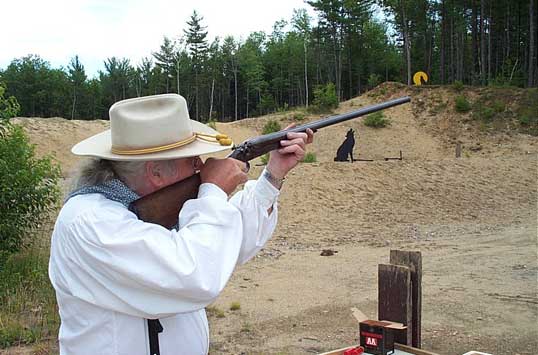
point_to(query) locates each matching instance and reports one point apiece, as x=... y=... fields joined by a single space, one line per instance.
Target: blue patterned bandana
x=114 y=190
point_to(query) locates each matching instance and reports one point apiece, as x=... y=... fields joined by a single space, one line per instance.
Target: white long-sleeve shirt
x=111 y=271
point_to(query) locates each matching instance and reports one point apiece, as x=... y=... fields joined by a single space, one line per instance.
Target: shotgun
x=162 y=207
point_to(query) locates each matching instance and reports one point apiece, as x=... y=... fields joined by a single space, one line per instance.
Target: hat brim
x=100 y=146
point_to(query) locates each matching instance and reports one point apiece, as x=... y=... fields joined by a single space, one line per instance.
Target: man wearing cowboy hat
x=113 y=272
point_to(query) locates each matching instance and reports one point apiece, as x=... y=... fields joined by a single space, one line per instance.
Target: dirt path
x=474 y=221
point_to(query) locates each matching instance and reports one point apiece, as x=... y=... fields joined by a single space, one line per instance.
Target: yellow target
x=419 y=77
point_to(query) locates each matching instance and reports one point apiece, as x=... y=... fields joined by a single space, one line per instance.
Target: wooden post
x=413 y=260
x=458 y=150
x=394 y=299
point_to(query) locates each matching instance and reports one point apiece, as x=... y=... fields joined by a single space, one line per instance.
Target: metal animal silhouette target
x=419 y=77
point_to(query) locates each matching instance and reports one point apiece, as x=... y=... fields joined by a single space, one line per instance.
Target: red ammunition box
x=376 y=338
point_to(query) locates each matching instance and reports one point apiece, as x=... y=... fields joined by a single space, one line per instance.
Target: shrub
x=283 y=108
x=487 y=114
x=483 y=113
x=527 y=112
x=457 y=86
x=376 y=120
x=309 y=158
x=298 y=116
x=462 y=105
x=235 y=306
x=270 y=127
x=29 y=187
x=9 y=106
x=498 y=106
x=373 y=80
x=215 y=311
x=524 y=120
x=325 y=98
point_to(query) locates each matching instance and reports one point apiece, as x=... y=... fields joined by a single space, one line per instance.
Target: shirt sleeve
x=111 y=259
x=253 y=202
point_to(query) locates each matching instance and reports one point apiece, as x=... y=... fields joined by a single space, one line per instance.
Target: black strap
x=154 y=328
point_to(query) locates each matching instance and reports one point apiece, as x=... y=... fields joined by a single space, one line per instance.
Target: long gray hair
x=97 y=171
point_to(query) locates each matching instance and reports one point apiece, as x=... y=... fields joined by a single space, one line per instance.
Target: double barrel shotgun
x=162 y=206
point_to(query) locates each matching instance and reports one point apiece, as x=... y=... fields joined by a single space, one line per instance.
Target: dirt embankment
x=474 y=218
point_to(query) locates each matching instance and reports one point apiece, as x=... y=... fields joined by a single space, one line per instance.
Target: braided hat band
x=222 y=139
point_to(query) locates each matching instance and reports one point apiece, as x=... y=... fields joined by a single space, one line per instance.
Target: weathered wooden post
x=413 y=260
x=400 y=294
x=394 y=299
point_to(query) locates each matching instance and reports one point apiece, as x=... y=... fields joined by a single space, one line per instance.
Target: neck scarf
x=114 y=190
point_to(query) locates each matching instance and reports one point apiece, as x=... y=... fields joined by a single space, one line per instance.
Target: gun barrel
x=260 y=145
x=329 y=121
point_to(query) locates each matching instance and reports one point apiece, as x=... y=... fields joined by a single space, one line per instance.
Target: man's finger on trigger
x=289 y=149
x=244 y=166
x=299 y=141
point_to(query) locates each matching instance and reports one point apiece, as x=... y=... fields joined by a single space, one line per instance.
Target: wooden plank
x=413 y=260
x=394 y=299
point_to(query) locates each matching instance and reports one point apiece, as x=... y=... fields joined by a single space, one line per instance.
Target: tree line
x=349 y=45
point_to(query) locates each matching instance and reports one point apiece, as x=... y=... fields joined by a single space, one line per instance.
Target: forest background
x=475 y=42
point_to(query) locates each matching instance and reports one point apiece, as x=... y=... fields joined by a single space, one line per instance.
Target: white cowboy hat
x=152 y=128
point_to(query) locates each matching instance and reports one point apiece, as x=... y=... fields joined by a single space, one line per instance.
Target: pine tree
x=197 y=43
x=77 y=77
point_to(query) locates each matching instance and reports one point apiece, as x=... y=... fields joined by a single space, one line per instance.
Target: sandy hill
x=426 y=129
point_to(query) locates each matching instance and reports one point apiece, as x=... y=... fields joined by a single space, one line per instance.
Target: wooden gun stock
x=163 y=206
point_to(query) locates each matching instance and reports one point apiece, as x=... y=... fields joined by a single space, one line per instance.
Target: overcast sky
x=57 y=30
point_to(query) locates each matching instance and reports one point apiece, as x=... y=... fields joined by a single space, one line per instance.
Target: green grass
x=246 y=328
x=498 y=106
x=270 y=127
x=215 y=311
x=265 y=158
x=235 y=306
x=457 y=86
x=527 y=112
x=28 y=311
x=483 y=113
x=376 y=120
x=461 y=104
x=299 y=116
x=309 y=158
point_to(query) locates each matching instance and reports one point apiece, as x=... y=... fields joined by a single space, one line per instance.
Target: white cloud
x=95 y=30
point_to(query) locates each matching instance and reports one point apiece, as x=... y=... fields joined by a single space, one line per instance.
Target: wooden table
x=399 y=349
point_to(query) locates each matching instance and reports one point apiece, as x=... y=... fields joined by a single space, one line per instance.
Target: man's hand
x=293 y=150
x=225 y=173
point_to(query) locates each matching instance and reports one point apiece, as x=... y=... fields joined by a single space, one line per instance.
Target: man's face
x=183 y=168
